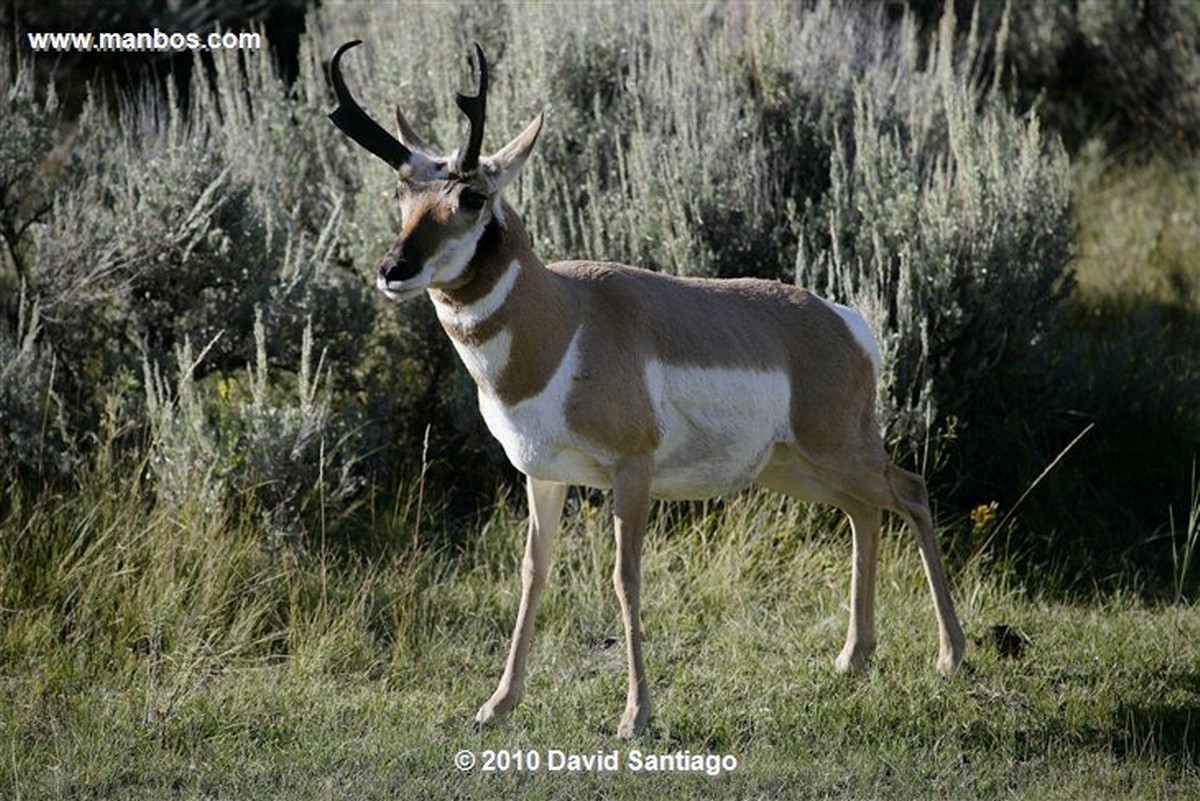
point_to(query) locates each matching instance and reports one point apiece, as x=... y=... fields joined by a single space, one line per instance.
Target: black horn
x=475 y=108
x=356 y=123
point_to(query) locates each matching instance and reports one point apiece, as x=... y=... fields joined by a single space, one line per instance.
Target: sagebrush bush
x=935 y=208
x=1128 y=73
x=952 y=227
x=182 y=224
x=253 y=437
x=33 y=435
x=716 y=162
x=841 y=146
x=26 y=137
x=818 y=145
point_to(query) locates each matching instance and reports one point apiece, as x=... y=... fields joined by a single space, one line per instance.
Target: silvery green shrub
x=953 y=230
x=828 y=145
x=255 y=435
x=216 y=224
x=824 y=144
x=33 y=435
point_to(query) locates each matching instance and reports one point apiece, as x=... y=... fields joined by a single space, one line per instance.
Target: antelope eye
x=471 y=200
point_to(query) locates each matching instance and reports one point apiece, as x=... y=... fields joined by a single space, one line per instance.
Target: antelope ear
x=503 y=165
x=408 y=137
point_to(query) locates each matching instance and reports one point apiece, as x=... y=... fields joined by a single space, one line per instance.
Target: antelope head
x=446 y=202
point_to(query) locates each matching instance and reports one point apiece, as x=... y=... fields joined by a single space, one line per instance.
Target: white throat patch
x=473 y=314
x=486 y=361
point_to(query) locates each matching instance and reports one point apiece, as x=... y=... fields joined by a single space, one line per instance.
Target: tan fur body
x=622 y=318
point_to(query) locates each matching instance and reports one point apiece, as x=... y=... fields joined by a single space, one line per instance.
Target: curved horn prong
x=356 y=123
x=476 y=109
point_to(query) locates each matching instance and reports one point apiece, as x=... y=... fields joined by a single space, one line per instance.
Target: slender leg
x=793 y=479
x=860 y=638
x=862 y=493
x=545 y=511
x=913 y=500
x=631 y=509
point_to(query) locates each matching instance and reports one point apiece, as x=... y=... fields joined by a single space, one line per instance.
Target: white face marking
x=717 y=426
x=453 y=255
x=476 y=313
x=862 y=334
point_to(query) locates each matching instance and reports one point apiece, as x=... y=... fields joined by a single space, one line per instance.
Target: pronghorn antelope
x=654 y=386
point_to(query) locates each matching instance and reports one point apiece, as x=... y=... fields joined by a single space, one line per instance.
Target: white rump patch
x=862 y=334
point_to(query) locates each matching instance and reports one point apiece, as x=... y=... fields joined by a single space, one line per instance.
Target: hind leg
x=794 y=480
x=911 y=501
x=860 y=637
x=862 y=488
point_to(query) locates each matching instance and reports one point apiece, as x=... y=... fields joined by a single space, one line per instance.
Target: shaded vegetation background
x=1009 y=194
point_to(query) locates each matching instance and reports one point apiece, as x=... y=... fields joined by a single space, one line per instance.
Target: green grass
x=1139 y=231
x=188 y=659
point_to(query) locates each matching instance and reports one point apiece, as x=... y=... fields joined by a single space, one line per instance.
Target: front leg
x=631 y=509
x=545 y=510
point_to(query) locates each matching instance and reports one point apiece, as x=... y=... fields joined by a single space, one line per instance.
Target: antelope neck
x=510 y=319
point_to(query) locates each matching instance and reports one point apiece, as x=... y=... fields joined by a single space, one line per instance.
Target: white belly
x=717 y=428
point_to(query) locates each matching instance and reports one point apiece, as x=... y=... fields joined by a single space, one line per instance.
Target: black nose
x=394 y=268
x=391 y=270
x=399 y=264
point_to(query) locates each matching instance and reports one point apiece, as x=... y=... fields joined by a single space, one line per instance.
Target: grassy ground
x=192 y=662
x=170 y=650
